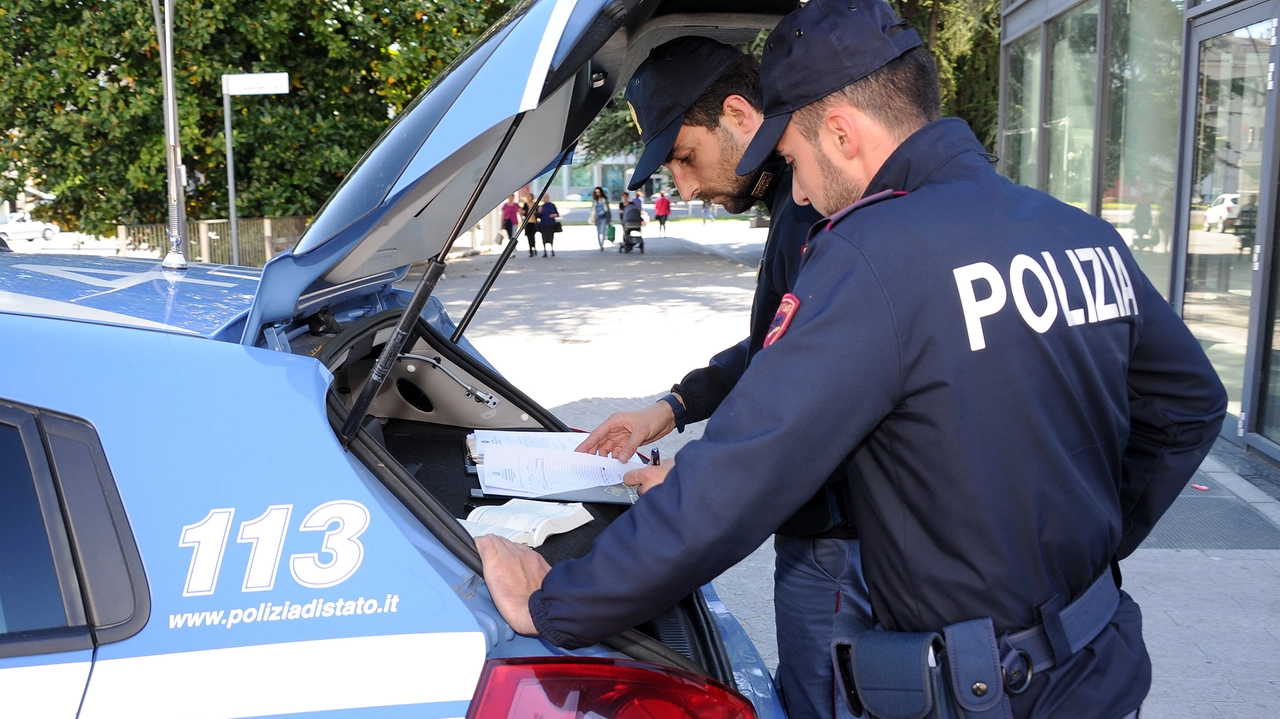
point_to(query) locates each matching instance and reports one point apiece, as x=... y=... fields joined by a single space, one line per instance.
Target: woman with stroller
x=530 y=227
x=602 y=213
x=632 y=220
x=548 y=226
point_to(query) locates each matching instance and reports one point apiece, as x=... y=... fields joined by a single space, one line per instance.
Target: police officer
x=1013 y=403
x=697 y=104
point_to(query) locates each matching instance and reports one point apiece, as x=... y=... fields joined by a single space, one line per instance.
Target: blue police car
x=230 y=492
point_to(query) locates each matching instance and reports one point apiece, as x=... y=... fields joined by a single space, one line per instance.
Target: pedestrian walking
x=602 y=213
x=510 y=218
x=548 y=226
x=662 y=210
x=528 y=209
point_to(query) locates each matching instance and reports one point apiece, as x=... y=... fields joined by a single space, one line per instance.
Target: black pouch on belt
x=973 y=666
x=892 y=675
x=900 y=675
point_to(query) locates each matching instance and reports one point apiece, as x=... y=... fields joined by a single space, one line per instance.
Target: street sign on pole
x=255 y=83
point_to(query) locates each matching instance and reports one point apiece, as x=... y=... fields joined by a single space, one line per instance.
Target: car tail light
x=582 y=687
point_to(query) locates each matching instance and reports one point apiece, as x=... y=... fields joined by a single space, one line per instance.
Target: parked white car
x=20 y=226
x=1222 y=213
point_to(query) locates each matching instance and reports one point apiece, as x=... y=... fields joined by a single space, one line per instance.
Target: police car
x=193 y=526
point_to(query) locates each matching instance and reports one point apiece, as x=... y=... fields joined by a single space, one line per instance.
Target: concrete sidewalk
x=588 y=333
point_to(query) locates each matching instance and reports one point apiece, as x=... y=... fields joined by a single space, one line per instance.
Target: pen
x=655 y=457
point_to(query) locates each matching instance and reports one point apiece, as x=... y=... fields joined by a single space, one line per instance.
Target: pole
x=231 y=180
x=174 y=260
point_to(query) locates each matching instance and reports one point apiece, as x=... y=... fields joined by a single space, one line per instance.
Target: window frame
x=83 y=514
x=75 y=634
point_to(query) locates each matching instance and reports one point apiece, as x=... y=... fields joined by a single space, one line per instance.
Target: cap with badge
x=847 y=39
x=672 y=78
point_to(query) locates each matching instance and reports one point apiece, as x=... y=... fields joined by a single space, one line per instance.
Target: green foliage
x=613 y=132
x=964 y=37
x=82 y=100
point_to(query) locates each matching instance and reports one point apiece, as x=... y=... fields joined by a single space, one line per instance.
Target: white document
x=526 y=521
x=518 y=471
x=566 y=441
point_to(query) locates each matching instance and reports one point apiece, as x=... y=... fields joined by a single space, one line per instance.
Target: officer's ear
x=842 y=125
x=739 y=117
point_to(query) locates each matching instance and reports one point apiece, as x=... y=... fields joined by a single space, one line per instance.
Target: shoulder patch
x=782 y=320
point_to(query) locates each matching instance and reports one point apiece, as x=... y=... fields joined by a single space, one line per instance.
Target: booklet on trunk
x=526 y=521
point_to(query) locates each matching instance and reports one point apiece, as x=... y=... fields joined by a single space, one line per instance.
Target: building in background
x=1159 y=116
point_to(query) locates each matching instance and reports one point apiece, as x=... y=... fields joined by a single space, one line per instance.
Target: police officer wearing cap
x=1013 y=403
x=697 y=104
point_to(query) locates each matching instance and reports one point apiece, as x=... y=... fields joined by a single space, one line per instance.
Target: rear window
x=30 y=595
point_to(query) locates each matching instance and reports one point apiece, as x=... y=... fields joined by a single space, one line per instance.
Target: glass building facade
x=1159 y=116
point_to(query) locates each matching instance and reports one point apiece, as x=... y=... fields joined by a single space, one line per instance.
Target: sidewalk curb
x=1242 y=488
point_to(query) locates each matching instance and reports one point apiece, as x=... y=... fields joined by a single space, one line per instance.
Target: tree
x=964 y=38
x=82 y=98
x=613 y=132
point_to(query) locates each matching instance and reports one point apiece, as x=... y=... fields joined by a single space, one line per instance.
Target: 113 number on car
x=266 y=533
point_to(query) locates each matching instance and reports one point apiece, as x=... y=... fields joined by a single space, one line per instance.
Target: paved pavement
x=587 y=333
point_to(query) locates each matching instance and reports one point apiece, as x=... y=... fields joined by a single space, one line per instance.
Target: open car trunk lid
x=399 y=205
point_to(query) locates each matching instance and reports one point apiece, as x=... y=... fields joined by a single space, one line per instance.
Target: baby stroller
x=632 y=221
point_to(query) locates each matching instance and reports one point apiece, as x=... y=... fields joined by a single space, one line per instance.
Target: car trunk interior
x=421 y=418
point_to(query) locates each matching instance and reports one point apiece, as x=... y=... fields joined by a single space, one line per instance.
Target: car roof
x=205 y=300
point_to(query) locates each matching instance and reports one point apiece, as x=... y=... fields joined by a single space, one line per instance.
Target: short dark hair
x=740 y=78
x=902 y=96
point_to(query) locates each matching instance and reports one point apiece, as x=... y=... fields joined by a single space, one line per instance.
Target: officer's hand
x=513 y=572
x=646 y=478
x=625 y=432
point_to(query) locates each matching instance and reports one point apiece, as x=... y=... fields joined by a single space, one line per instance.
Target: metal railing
x=261 y=238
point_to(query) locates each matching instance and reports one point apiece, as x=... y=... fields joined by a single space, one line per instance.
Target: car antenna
x=507 y=251
x=427 y=285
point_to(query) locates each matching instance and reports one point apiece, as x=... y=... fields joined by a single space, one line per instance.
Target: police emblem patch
x=635 y=118
x=781 y=321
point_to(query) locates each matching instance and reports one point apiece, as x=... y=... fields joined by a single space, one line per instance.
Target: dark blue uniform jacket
x=704 y=388
x=827 y=512
x=1023 y=405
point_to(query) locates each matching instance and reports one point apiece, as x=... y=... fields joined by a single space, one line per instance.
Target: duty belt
x=964 y=671
x=1064 y=631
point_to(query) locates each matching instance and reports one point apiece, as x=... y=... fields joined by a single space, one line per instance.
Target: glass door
x=1232 y=63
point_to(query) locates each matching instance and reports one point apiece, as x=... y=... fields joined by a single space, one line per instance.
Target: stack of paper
x=543 y=464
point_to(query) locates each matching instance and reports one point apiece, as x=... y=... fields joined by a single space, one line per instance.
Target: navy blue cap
x=818 y=49
x=672 y=78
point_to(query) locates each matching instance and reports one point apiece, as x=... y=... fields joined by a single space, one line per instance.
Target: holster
x=902 y=675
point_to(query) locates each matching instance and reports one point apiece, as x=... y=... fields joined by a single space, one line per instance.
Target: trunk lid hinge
x=276 y=338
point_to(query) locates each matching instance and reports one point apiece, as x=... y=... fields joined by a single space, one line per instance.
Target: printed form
x=521 y=471
x=566 y=441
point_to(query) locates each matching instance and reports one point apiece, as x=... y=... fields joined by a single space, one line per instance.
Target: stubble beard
x=839 y=191
x=734 y=191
